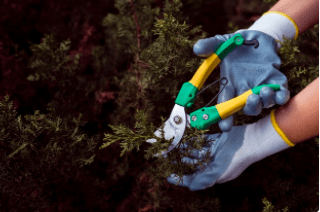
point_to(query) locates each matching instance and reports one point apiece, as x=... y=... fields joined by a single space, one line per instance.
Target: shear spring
x=221 y=82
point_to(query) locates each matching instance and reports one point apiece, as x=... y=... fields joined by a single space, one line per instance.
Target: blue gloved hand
x=246 y=67
x=232 y=152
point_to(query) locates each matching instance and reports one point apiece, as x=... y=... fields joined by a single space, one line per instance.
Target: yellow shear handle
x=204 y=71
x=226 y=109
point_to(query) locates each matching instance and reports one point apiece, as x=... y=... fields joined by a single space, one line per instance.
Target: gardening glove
x=246 y=67
x=230 y=153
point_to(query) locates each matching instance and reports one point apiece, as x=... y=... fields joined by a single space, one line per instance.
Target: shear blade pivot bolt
x=177 y=119
x=205 y=116
x=193 y=118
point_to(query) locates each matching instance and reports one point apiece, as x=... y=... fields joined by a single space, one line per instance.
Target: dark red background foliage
x=23 y=23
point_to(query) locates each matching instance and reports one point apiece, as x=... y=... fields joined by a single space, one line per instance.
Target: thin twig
x=137 y=24
x=138 y=53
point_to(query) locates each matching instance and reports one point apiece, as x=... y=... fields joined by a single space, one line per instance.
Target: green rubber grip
x=187 y=95
x=229 y=45
x=256 y=90
x=204 y=117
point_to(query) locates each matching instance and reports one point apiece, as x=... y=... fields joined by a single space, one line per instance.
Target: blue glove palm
x=230 y=153
x=223 y=147
x=246 y=67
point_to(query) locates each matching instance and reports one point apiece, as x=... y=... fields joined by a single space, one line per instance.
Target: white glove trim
x=288 y=17
x=277 y=25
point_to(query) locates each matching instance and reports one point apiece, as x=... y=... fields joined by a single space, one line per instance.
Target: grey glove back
x=246 y=67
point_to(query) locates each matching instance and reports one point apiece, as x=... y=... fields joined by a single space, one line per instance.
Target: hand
x=246 y=67
x=231 y=153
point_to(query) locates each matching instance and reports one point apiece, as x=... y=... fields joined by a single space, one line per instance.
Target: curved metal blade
x=177 y=123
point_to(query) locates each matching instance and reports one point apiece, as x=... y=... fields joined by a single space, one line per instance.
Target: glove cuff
x=277 y=25
x=278 y=130
x=260 y=140
x=265 y=138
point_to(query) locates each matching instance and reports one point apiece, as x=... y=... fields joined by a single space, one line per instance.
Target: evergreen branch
x=192 y=140
x=17 y=150
x=268 y=207
x=38 y=151
x=288 y=51
x=298 y=75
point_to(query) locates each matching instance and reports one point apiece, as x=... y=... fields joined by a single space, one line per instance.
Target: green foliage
x=54 y=64
x=37 y=151
x=130 y=139
x=169 y=56
x=207 y=204
x=288 y=51
x=50 y=60
x=299 y=70
x=232 y=28
x=166 y=59
x=142 y=83
x=169 y=164
x=268 y=207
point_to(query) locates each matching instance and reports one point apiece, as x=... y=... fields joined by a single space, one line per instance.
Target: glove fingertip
x=151 y=140
x=205 y=47
x=282 y=96
x=199 y=50
x=172 y=179
x=267 y=96
x=188 y=160
x=253 y=105
x=226 y=124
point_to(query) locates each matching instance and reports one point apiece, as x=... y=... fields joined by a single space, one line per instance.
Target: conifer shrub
x=40 y=155
x=113 y=73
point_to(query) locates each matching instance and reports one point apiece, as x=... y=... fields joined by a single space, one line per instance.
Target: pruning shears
x=206 y=116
